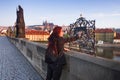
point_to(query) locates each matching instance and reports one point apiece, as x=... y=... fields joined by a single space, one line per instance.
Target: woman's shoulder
x=60 y=38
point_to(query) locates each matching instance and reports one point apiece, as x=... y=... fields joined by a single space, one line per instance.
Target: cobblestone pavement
x=13 y=65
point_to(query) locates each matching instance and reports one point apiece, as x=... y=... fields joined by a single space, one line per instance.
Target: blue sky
x=62 y=12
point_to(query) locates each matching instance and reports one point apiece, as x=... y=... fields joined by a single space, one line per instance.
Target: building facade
x=35 y=35
x=105 y=35
x=117 y=38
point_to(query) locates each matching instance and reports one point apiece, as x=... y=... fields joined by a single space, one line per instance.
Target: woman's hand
x=66 y=49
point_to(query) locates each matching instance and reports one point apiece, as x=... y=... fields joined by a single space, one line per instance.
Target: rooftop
x=36 y=32
x=107 y=30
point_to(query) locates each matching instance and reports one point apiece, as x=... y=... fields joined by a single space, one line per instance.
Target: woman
x=56 y=47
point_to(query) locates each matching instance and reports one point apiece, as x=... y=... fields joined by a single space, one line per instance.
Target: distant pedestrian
x=54 y=56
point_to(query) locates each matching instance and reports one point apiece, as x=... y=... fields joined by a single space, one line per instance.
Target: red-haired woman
x=56 y=47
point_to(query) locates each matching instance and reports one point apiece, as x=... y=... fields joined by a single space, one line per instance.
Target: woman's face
x=61 y=33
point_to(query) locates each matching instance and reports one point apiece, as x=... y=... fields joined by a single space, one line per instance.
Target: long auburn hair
x=52 y=40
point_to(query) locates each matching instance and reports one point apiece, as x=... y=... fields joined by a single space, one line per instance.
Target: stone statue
x=20 y=24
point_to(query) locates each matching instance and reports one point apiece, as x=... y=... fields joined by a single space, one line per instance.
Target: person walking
x=54 y=56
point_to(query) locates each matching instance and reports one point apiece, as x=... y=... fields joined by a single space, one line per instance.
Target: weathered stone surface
x=79 y=66
x=20 y=24
x=13 y=65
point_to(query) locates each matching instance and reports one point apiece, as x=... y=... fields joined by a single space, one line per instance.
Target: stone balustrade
x=79 y=66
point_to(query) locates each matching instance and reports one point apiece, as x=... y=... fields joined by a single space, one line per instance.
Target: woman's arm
x=70 y=39
x=74 y=38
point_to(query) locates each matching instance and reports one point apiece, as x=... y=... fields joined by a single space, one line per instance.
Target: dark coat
x=60 y=41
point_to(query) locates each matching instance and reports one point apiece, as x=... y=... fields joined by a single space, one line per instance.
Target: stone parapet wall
x=79 y=66
x=108 y=45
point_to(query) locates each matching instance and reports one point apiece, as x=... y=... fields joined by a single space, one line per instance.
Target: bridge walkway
x=13 y=65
